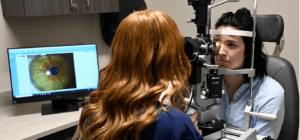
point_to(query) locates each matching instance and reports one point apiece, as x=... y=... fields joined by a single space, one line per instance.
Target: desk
x=25 y=121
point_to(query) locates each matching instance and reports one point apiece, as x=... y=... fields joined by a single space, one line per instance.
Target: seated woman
x=234 y=52
x=148 y=66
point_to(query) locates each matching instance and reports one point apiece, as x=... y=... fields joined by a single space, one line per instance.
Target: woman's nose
x=222 y=50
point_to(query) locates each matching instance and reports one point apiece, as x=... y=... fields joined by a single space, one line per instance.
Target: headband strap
x=231 y=32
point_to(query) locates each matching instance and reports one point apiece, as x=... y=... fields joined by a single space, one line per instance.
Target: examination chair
x=270 y=29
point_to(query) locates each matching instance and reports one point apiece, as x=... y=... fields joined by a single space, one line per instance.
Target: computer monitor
x=55 y=73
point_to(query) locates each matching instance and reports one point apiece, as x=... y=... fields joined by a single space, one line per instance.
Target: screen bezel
x=65 y=95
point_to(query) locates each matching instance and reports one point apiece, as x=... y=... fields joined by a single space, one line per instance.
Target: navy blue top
x=173 y=125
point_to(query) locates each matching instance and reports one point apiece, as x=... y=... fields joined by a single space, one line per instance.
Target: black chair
x=283 y=72
x=270 y=29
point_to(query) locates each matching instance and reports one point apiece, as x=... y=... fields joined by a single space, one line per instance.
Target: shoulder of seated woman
x=173 y=113
x=271 y=88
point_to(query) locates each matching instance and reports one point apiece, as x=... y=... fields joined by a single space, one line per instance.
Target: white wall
x=48 y=31
x=64 y=30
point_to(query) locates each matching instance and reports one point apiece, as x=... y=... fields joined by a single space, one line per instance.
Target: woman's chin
x=223 y=66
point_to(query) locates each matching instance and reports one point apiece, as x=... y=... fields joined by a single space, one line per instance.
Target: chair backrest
x=270 y=28
x=283 y=72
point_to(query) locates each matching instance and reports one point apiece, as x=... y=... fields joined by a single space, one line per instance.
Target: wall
x=179 y=10
x=82 y=29
x=48 y=31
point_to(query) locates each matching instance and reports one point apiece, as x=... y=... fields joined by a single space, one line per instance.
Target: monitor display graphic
x=53 y=72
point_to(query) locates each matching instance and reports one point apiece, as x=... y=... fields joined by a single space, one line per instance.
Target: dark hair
x=243 y=21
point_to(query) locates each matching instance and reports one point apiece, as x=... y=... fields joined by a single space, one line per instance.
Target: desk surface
x=25 y=121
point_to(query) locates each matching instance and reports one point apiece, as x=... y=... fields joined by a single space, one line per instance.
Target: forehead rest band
x=231 y=32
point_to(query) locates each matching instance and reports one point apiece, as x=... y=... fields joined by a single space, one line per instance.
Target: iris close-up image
x=51 y=72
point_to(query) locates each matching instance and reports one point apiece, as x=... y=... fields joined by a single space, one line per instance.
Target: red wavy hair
x=147 y=52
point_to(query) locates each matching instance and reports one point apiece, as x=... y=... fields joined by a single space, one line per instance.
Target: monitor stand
x=59 y=106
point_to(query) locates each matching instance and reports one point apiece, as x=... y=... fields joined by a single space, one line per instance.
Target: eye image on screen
x=51 y=72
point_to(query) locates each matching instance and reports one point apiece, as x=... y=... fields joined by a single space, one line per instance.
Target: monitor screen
x=52 y=73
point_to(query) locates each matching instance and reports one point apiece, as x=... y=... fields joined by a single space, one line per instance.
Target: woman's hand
x=194 y=120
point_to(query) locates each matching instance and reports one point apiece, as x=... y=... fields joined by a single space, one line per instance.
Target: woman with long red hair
x=136 y=91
